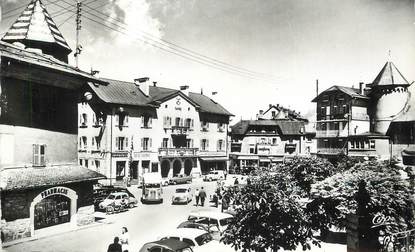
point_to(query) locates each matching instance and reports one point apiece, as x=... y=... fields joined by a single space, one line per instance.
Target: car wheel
x=210 y=179
x=131 y=205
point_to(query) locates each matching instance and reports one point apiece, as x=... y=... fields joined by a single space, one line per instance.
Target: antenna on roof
x=214 y=93
x=389 y=56
x=201 y=91
x=78 y=48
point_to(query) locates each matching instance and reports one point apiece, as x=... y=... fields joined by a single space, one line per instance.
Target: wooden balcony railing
x=178 y=152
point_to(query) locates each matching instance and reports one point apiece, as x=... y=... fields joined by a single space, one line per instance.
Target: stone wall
x=14 y=230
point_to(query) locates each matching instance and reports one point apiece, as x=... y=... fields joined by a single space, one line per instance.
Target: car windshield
x=181 y=190
x=152 y=185
x=226 y=221
x=203 y=239
x=111 y=196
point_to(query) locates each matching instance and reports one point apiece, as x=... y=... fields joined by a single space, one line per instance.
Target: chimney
x=270 y=105
x=316 y=87
x=185 y=89
x=143 y=85
x=261 y=112
x=154 y=83
x=361 y=89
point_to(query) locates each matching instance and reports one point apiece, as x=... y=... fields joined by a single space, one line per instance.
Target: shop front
x=208 y=164
x=35 y=200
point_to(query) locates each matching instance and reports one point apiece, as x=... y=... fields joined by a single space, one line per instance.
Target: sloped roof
x=208 y=105
x=35 y=24
x=352 y=92
x=120 y=92
x=123 y=92
x=286 y=127
x=408 y=113
x=292 y=114
x=26 y=178
x=23 y=55
x=389 y=75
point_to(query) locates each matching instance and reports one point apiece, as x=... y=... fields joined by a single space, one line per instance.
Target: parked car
x=199 y=240
x=165 y=181
x=118 y=198
x=194 y=225
x=214 y=175
x=182 y=195
x=167 y=245
x=180 y=179
x=102 y=192
x=216 y=222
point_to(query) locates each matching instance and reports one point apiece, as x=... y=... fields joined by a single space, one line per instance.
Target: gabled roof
x=291 y=114
x=26 y=178
x=284 y=126
x=120 y=92
x=352 y=92
x=35 y=24
x=207 y=105
x=162 y=94
x=43 y=60
x=389 y=75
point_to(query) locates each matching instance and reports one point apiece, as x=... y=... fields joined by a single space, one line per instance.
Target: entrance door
x=177 y=167
x=165 y=168
x=134 y=170
x=188 y=165
x=51 y=211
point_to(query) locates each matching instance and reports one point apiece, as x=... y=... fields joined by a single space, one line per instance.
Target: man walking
x=197 y=196
x=202 y=195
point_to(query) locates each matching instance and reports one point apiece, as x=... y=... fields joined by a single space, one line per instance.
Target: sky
x=288 y=44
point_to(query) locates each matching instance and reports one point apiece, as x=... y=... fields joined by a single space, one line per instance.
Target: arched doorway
x=177 y=167
x=51 y=211
x=165 y=168
x=188 y=165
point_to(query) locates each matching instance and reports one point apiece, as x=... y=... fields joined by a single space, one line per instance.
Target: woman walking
x=197 y=196
x=124 y=239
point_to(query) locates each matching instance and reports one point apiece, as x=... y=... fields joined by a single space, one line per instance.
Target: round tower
x=389 y=95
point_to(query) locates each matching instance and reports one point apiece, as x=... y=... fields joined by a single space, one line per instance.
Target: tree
x=306 y=171
x=271 y=217
x=390 y=195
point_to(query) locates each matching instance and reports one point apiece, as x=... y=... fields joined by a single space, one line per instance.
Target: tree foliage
x=270 y=217
x=390 y=195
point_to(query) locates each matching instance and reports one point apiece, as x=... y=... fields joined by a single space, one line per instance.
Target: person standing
x=125 y=239
x=197 y=196
x=202 y=195
x=115 y=247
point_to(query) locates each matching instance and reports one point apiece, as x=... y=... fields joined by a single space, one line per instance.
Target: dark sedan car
x=166 y=245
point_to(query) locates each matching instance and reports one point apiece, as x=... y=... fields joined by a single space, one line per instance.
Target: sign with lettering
x=54 y=190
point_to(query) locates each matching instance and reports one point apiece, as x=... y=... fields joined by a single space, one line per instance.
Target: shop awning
x=264 y=160
x=27 y=178
x=214 y=159
x=248 y=157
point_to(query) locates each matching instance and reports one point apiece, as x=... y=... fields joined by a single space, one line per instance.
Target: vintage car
x=118 y=198
x=214 y=175
x=180 y=179
x=101 y=193
x=194 y=225
x=199 y=240
x=216 y=222
x=182 y=195
x=167 y=245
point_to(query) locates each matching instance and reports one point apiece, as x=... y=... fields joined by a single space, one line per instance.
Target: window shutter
x=92 y=142
x=80 y=118
x=125 y=120
x=201 y=144
x=150 y=121
x=35 y=154
x=42 y=154
x=191 y=123
x=142 y=143
x=218 y=145
x=149 y=143
x=191 y=143
x=142 y=121
x=169 y=121
x=117 y=143
x=126 y=142
x=94 y=119
x=207 y=144
x=165 y=121
x=117 y=119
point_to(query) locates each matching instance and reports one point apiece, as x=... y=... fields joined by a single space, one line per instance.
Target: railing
x=328 y=133
x=329 y=150
x=179 y=130
x=178 y=152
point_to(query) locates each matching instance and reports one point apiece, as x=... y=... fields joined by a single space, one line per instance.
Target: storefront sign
x=120 y=154
x=54 y=190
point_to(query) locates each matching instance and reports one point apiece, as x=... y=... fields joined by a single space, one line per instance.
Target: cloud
x=137 y=21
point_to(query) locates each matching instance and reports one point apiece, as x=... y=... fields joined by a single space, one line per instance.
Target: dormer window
x=205 y=126
x=146 y=121
x=39 y=151
x=122 y=120
x=83 y=120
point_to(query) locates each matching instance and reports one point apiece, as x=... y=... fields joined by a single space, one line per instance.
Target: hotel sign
x=53 y=191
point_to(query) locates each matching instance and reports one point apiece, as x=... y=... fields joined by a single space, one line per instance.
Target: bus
x=152 y=188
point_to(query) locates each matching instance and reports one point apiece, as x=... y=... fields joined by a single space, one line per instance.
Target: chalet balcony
x=178 y=152
x=331 y=133
x=180 y=130
x=330 y=151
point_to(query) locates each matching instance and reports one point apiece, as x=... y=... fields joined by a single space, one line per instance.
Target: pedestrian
x=124 y=239
x=197 y=196
x=202 y=195
x=225 y=173
x=115 y=247
x=225 y=202
x=236 y=181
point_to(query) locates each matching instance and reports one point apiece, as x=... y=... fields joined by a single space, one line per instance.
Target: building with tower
x=373 y=120
x=41 y=184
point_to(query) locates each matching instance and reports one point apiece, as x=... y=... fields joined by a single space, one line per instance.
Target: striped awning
x=35 y=24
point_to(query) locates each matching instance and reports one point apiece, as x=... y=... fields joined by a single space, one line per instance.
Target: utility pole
x=78 y=48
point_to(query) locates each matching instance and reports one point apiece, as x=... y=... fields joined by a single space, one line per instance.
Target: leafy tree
x=390 y=195
x=271 y=217
x=306 y=171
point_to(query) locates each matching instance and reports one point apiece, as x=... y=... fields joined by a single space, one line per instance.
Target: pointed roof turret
x=36 y=29
x=390 y=75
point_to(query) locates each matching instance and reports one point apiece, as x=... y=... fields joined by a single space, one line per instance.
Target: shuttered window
x=39 y=154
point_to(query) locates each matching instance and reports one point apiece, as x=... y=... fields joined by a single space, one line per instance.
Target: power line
x=180 y=48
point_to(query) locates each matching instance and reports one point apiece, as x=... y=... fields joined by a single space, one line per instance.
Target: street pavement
x=145 y=223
